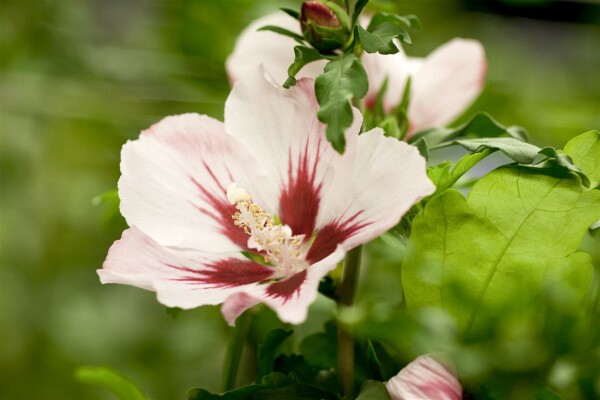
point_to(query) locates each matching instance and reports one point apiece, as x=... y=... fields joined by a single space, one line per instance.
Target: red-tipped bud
x=324 y=24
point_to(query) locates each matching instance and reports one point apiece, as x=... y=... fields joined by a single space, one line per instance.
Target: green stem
x=345 y=337
x=234 y=351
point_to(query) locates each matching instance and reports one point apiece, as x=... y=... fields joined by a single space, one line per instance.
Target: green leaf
x=358 y=7
x=423 y=147
x=517 y=150
x=585 y=153
x=379 y=18
x=373 y=390
x=275 y=386
x=302 y=55
x=236 y=394
x=282 y=31
x=381 y=39
x=373 y=364
x=320 y=349
x=444 y=178
x=267 y=350
x=516 y=235
x=298 y=391
x=556 y=158
x=481 y=125
x=110 y=379
x=344 y=79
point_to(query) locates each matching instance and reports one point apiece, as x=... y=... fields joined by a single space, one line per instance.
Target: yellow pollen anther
x=281 y=249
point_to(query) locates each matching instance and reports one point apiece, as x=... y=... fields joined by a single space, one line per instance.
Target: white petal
x=235 y=305
x=372 y=193
x=184 y=279
x=274 y=51
x=448 y=81
x=424 y=378
x=280 y=127
x=395 y=67
x=174 y=181
x=291 y=298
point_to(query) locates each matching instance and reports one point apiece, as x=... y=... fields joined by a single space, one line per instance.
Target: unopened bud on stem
x=325 y=25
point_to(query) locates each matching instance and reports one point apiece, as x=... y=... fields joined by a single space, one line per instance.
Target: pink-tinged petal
x=184 y=279
x=424 y=378
x=395 y=67
x=372 y=193
x=333 y=234
x=274 y=51
x=281 y=128
x=447 y=83
x=235 y=305
x=291 y=298
x=174 y=180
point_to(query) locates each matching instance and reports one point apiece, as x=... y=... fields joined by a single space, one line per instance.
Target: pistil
x=280 y=248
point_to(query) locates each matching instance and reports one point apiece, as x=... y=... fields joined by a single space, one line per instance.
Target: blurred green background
x=79 y=78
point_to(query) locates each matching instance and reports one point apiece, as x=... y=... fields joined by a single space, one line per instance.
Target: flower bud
x=325 y=25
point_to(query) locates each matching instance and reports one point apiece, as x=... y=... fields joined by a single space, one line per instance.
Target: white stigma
x=236 y=194
x=283 y=250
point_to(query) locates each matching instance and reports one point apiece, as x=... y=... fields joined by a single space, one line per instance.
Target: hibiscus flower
x=256 y=209
x=424 y=378
x=443 y=84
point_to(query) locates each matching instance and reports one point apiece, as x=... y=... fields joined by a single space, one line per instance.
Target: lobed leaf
x=481 y=125
x=585 y=153
x=521 y=152
x=381 y=39
x=516 y=234
x=344 y=79
x=302 y=55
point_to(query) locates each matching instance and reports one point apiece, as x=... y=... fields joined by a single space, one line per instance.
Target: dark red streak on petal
x=222 y=212
x=331 y=235
x=299 y=201
x=287 y=288
x=226 y=273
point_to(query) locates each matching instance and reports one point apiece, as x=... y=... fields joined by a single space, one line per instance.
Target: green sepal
x=292 y=13
x=282 y=31
x=358 y=7
x=390 y=128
